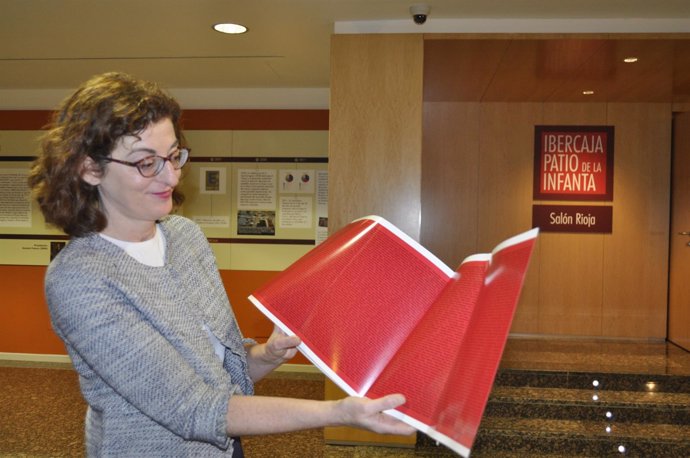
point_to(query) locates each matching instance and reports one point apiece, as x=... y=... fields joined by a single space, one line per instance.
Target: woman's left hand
x=280 y=347
x=263 y=358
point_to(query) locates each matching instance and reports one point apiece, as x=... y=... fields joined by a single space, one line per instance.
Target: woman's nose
x=169 y=174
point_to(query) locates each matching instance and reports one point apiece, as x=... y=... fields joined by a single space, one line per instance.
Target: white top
x=150 y=252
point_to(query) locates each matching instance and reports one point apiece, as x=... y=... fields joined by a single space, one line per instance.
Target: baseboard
x=34 y=358
x=305 y=368
x=574 y=338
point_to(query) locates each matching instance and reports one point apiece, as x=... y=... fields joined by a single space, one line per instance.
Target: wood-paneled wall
x=477 y=190
x=475 y=174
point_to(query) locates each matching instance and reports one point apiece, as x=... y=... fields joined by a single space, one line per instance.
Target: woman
x=137 y=298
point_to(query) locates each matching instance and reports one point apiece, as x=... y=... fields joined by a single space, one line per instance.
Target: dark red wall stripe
x=24 y=119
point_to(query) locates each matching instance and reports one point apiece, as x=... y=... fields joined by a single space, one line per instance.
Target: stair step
x=585 y=429
x=656 y=383
x=582 y=438
x=618 y=406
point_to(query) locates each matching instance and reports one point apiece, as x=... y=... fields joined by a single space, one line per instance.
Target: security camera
x=419 y=13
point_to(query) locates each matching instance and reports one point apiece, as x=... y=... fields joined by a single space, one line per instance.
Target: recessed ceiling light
x=587 y=92
x=630 y=60
x=229 y=28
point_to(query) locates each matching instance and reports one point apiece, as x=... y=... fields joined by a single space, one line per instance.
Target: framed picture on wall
x=212 y=180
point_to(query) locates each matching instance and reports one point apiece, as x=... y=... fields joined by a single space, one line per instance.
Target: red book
x=380 y=314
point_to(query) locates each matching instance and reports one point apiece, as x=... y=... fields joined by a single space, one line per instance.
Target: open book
x=380 y=314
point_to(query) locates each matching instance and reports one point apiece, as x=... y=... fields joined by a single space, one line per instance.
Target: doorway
x=679 y=268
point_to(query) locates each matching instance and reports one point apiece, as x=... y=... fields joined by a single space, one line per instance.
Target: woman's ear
x=90 y=172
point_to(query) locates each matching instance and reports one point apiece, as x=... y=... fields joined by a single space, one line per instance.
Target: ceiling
x=49 y=44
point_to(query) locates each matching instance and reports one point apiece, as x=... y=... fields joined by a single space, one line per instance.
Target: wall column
x=375 y=124
x=375 y=150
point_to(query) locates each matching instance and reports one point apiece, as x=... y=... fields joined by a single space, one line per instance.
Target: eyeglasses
x=153 y=165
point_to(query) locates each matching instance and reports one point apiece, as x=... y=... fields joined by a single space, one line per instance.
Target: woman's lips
x=163 y=194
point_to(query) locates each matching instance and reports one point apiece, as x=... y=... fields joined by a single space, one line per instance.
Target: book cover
x=380 y=314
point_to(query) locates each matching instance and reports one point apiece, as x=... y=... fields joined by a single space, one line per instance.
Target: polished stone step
x=612 y=406
x=586 y=380
x=582 y=438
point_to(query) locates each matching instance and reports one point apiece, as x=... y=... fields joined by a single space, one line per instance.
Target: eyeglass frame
x=160 y=159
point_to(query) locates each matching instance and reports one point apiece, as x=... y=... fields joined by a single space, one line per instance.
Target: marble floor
x=41 y=409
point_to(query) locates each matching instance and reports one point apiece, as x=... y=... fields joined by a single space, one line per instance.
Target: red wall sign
x=573 y=162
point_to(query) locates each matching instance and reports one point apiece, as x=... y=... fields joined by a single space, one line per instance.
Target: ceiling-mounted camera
x=419 y=13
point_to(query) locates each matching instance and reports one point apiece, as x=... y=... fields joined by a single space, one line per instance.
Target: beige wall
x=205 y=143
x=475 y=189
x=25 y=325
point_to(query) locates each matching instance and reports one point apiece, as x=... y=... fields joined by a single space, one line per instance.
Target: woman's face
x=131 y=202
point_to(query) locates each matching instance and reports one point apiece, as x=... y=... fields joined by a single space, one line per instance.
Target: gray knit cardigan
x=153 y=384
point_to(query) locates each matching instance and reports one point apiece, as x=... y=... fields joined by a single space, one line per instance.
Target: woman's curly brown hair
x=89 y=124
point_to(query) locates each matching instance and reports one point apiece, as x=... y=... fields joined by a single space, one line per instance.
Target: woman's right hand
x=369 y=414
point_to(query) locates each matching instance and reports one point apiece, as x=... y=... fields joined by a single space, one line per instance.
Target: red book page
x=355 y=298
x=471 y=379
x=421 y=368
